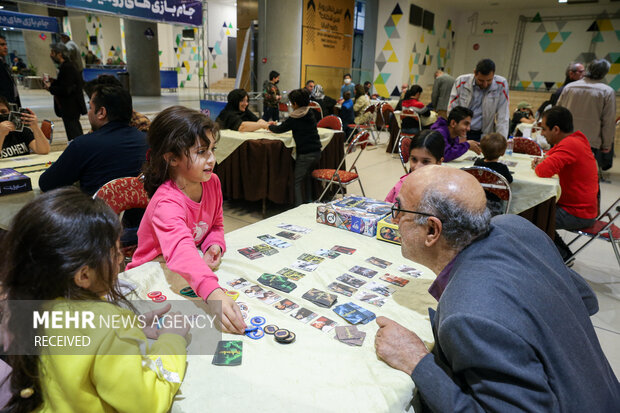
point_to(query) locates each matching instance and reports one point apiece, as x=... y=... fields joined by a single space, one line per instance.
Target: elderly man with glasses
x=512 y=327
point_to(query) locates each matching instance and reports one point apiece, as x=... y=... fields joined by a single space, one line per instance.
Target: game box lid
x=12 y=182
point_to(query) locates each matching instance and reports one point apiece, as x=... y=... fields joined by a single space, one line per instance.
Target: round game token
x=153 y=294
x=289 y=339
x=258 y=320
x=244 y=314
x=281 y=334
x=256 y=334
x=232 y=294
x=160 y=298
x=243 y=306
x=270 y=329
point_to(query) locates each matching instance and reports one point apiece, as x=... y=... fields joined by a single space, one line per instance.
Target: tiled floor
x=379 y=171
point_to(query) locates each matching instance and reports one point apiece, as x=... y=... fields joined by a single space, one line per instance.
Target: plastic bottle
x=510 y=146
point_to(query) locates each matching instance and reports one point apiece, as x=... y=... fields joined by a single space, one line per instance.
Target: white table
x=11 y=204
x=316 y=373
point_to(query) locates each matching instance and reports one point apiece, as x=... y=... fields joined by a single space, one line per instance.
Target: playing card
x=341 y=289
x=279 y=282
x=344 y=250
x=265 y=249
x=303 y=314
x=16 y=119
x=369 y=315
x=351 y=280
x=350 y=312
x=239 y=283
x=254 y=291
x=274 y=242
x=410 y=271
x=269 y=297
x=371 y=298
x=250 y=253
x=311 y=258
x=327 y=253
x=304 y=265
x=364 y=272
x=382 y=289
x=294 y=228
x=288 y=235
x=320 y=298
x=347 y=332
x=354 y=341
x=228 y=353
x=291 y=274
x=286 y=305
x=324 y=324
x=393 y=279
x=378 y=262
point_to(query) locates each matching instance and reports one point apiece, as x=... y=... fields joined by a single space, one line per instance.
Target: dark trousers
x=474 y=135
x=564 y=220
x=304 y=164
x=72 y=127
x=271 y=113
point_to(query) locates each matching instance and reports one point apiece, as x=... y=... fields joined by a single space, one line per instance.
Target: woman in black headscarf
x=237 y=116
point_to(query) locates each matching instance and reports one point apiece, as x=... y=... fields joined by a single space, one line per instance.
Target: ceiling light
x=562 y=1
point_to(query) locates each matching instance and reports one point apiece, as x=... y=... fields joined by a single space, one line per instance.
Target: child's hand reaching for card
x=400 y=348
x=231 y=319
x=213 y=256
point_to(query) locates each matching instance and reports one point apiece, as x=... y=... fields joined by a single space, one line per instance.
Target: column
x=142 y=58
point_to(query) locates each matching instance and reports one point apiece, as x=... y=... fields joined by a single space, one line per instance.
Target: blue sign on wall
x=212 y=108
x=28 y=21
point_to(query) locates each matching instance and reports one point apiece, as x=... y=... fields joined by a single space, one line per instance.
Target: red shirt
x=411 y=102
x=573 y=161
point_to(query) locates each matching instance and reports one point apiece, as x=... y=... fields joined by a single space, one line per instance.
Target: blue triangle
x=389 y=30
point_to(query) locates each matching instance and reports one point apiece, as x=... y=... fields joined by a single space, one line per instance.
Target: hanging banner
x=24 y=21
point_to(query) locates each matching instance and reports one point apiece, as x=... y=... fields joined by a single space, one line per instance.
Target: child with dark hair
x=185 y=210
x=271 y=97
x=347 y=116
x=425 y=149
x=493 y=146
x=62 y=255
x=307 y=141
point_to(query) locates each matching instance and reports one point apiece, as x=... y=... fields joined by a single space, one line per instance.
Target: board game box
x=387 y=230
x=354 y=213
x=12 y=182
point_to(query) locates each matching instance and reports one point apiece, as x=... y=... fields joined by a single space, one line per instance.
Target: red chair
x=386 y=112
x=492 y=182
x=357 y=127
x=526 y=146
x=603 y=228
x=47 y=127
x=284 y=109
x=330 y=122
x=315 y=106
x=404 y=145
x=340 y=176
x=406 y=114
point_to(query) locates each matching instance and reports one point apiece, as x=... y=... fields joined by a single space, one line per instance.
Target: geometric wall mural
x=388 y=54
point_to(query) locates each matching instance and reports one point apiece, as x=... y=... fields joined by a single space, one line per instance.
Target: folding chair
x=330 y=122
x=492 y=182
x=340 y=176
x=356 y=127
x=47 y=127
x=603 y=228
x=527 y=146
x=284 y=108
x=122 y=194
x=406 y=114
x=387 y=111
x=404 y=146
x=315 y=106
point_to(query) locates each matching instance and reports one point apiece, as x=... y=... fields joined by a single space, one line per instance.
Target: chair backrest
x=47 y=127
x=526 y=146
x=492 y=182
x=122 y=194
x=384 y=110
x=330 y=122
x=283 y=107
x=361 y=140
x=315 y=105
x=404 y=148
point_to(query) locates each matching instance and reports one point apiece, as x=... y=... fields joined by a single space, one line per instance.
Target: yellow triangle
x=193 y=49
x=393 y=58
x=615 y=69
x=410 y=62
x=553 y=47
x=382 y=90
x=558 y=84
x=388 y=46
x=411 y=79
x=604 y=25
x=526 y=83
x=422 y=38
x=227 y=32
x=396 y=18
x=552 y=35
x=161 y=64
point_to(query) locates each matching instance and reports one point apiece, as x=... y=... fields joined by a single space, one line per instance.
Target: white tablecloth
x=11 y=204
x=316 y=373
x=528 y=190
x=231 y=140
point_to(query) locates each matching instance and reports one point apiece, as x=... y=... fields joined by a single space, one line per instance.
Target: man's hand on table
x=474 y=146
x=536 y=162
x=213 y=256
x=400 y=348
x=232 y=320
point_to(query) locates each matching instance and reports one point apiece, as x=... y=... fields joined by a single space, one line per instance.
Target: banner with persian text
x=28 y=21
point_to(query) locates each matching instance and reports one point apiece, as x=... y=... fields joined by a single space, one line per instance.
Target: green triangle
x=598 y=38
x=427 y=50
x=214 y=66
x=230 y=25
x=379 y=80
x=618 y=34
x=100 y=25
x=537 y=18
x=565 y=35
x=189 y=77
x=182 y=84
x=160 y=52
x=537 y=85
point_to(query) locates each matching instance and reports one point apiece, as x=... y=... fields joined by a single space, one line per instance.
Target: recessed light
x=562 y=1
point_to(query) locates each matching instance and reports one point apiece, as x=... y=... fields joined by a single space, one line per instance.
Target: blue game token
x=256 y=334
x=258 y=320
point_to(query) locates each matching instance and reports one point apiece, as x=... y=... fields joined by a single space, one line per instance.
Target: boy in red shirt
x=571 y=158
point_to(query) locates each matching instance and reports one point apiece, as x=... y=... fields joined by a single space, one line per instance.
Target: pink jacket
x=174 y=226
x=391 y=196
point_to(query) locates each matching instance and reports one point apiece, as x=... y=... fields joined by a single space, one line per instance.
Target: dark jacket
x=67 y=91
x=232 y=119
x=513 y=331
x=8 y=89
x=306 y=135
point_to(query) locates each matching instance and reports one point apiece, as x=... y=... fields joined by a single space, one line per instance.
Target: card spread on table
x=356 y=337
x=341 y=289
x=288 y=235
x=344 y=250
x=371 y=298
x=324 y=324
x=291 y=274
x=327 y=253
x=347 y=332
x=269 y=297
x=311 y=258
x=303 y=314
x=274 y=242
x=250 y=253
x=320 y=298
x=228 y=353
x=354 y=314
x=378 y=262
x=364 y=272
x=265 y=249
x=410 y=271
x=285 y=305
x=350 y=280
x=239 y=283
x=378 y=288
x=254 y=291
x=393 y=279
x=294 y=228
x=279 y=282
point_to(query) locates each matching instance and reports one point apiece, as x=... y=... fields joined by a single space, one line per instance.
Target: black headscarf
x=231 y=117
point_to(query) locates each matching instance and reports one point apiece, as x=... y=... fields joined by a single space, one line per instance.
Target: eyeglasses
x=396 y=209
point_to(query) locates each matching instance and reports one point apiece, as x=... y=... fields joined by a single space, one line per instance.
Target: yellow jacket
x=118 y=372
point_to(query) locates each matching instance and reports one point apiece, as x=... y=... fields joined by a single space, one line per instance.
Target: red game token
x=153 y=294
x=159 y=298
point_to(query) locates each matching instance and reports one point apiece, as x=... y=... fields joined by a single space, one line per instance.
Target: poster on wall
x=327 y=33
